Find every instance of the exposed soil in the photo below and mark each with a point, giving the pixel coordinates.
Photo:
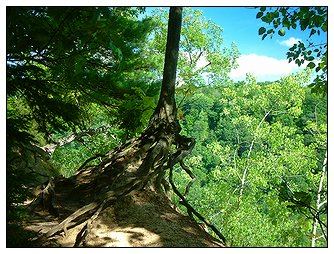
(140, 219)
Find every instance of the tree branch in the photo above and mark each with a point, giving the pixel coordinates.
(319, 204)
(50, 148)
(245, 172)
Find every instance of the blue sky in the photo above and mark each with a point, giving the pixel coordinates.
(265, 59)
(241, 26)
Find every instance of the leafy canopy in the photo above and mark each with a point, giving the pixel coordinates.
(203, 57)
(283, 165)
(61, 59)
(312, 20)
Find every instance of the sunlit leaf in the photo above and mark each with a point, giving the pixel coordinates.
(281, 32)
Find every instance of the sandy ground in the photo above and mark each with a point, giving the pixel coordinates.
(142, 219)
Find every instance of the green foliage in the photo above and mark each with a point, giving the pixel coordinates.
(308, 19)
(59, 59)
(73, 69)
(70, 69)
(202, 58)
(68, 158)
(283, 164)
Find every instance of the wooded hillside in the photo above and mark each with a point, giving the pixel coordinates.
(117, 136)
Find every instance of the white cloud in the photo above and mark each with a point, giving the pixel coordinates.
(290, 42)
(264, 68)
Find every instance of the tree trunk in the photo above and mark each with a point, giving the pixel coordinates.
(319, 204)
(166, 109)
(246, 169)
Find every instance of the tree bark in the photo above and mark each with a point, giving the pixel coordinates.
(166, 108)
(319, 204)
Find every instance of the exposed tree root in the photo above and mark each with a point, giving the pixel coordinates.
(193, 178)
(50, 148)
(132, 166)
(90, 159)
(191, 210)
(87, 227)
(63, 225)
(185, 147)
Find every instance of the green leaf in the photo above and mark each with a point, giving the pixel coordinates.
(313, 31)
(293, 47)
(259, 15)
(311, 65)
(281, 32)
(276, 14)
(324, 27)
(263, 9)
(286, 22)
(298, 62)
(262, 30)
(302, 46)
(270, 31)
(303, 24)
(310, 58)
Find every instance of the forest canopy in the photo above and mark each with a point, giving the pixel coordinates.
(85, 81)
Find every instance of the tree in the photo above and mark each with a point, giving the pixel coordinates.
(308, 19)
(142, 161)
(242, 148)
(203, 59)
(61, 59)
(61, 62)
(315, 21)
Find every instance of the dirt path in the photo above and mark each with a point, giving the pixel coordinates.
(141, 219)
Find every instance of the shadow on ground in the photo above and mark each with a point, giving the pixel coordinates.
(142, 219)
